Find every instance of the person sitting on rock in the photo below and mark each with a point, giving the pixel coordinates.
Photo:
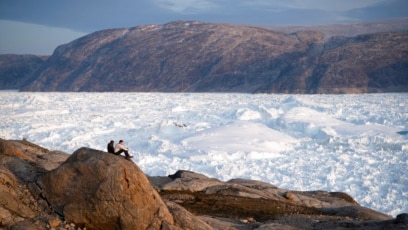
(111, 147)
(121, 148)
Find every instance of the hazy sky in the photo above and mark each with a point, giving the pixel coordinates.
(38, 27)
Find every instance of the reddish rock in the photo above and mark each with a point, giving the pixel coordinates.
(98, 190)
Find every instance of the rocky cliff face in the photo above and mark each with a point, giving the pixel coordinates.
(92, 189)
(204, 57)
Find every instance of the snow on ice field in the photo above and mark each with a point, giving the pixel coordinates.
(356, 144)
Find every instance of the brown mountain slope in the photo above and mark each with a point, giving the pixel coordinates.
(204, 57)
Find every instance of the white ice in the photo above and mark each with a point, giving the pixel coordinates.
(350, 143)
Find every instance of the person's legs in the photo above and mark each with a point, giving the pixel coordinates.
(119, 152)
(123, 151)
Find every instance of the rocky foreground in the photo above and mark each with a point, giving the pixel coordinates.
(92, 189)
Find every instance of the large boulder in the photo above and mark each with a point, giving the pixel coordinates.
(98, 190)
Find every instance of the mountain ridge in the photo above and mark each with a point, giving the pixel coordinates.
(350, 29)
(193, 56)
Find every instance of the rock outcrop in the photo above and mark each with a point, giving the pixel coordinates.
(21, 163)
(88, 189)
(265, 206)
(190, 56)
(98, 190)
(92, 189)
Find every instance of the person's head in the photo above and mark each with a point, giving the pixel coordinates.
(121, 141)
(111, 142)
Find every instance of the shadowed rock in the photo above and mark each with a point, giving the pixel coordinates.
(185, 219)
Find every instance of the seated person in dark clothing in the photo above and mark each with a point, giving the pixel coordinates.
(121, 148)
(111, 148)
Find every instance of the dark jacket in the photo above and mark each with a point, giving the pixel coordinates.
(111, 148)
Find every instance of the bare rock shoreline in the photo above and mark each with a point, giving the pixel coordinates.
(92, 189)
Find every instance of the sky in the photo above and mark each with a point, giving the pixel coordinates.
(38, 27)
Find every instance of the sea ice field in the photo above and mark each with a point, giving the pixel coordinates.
(356, 144)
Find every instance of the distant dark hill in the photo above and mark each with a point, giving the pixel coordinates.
(15, 70)
(206, 57)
